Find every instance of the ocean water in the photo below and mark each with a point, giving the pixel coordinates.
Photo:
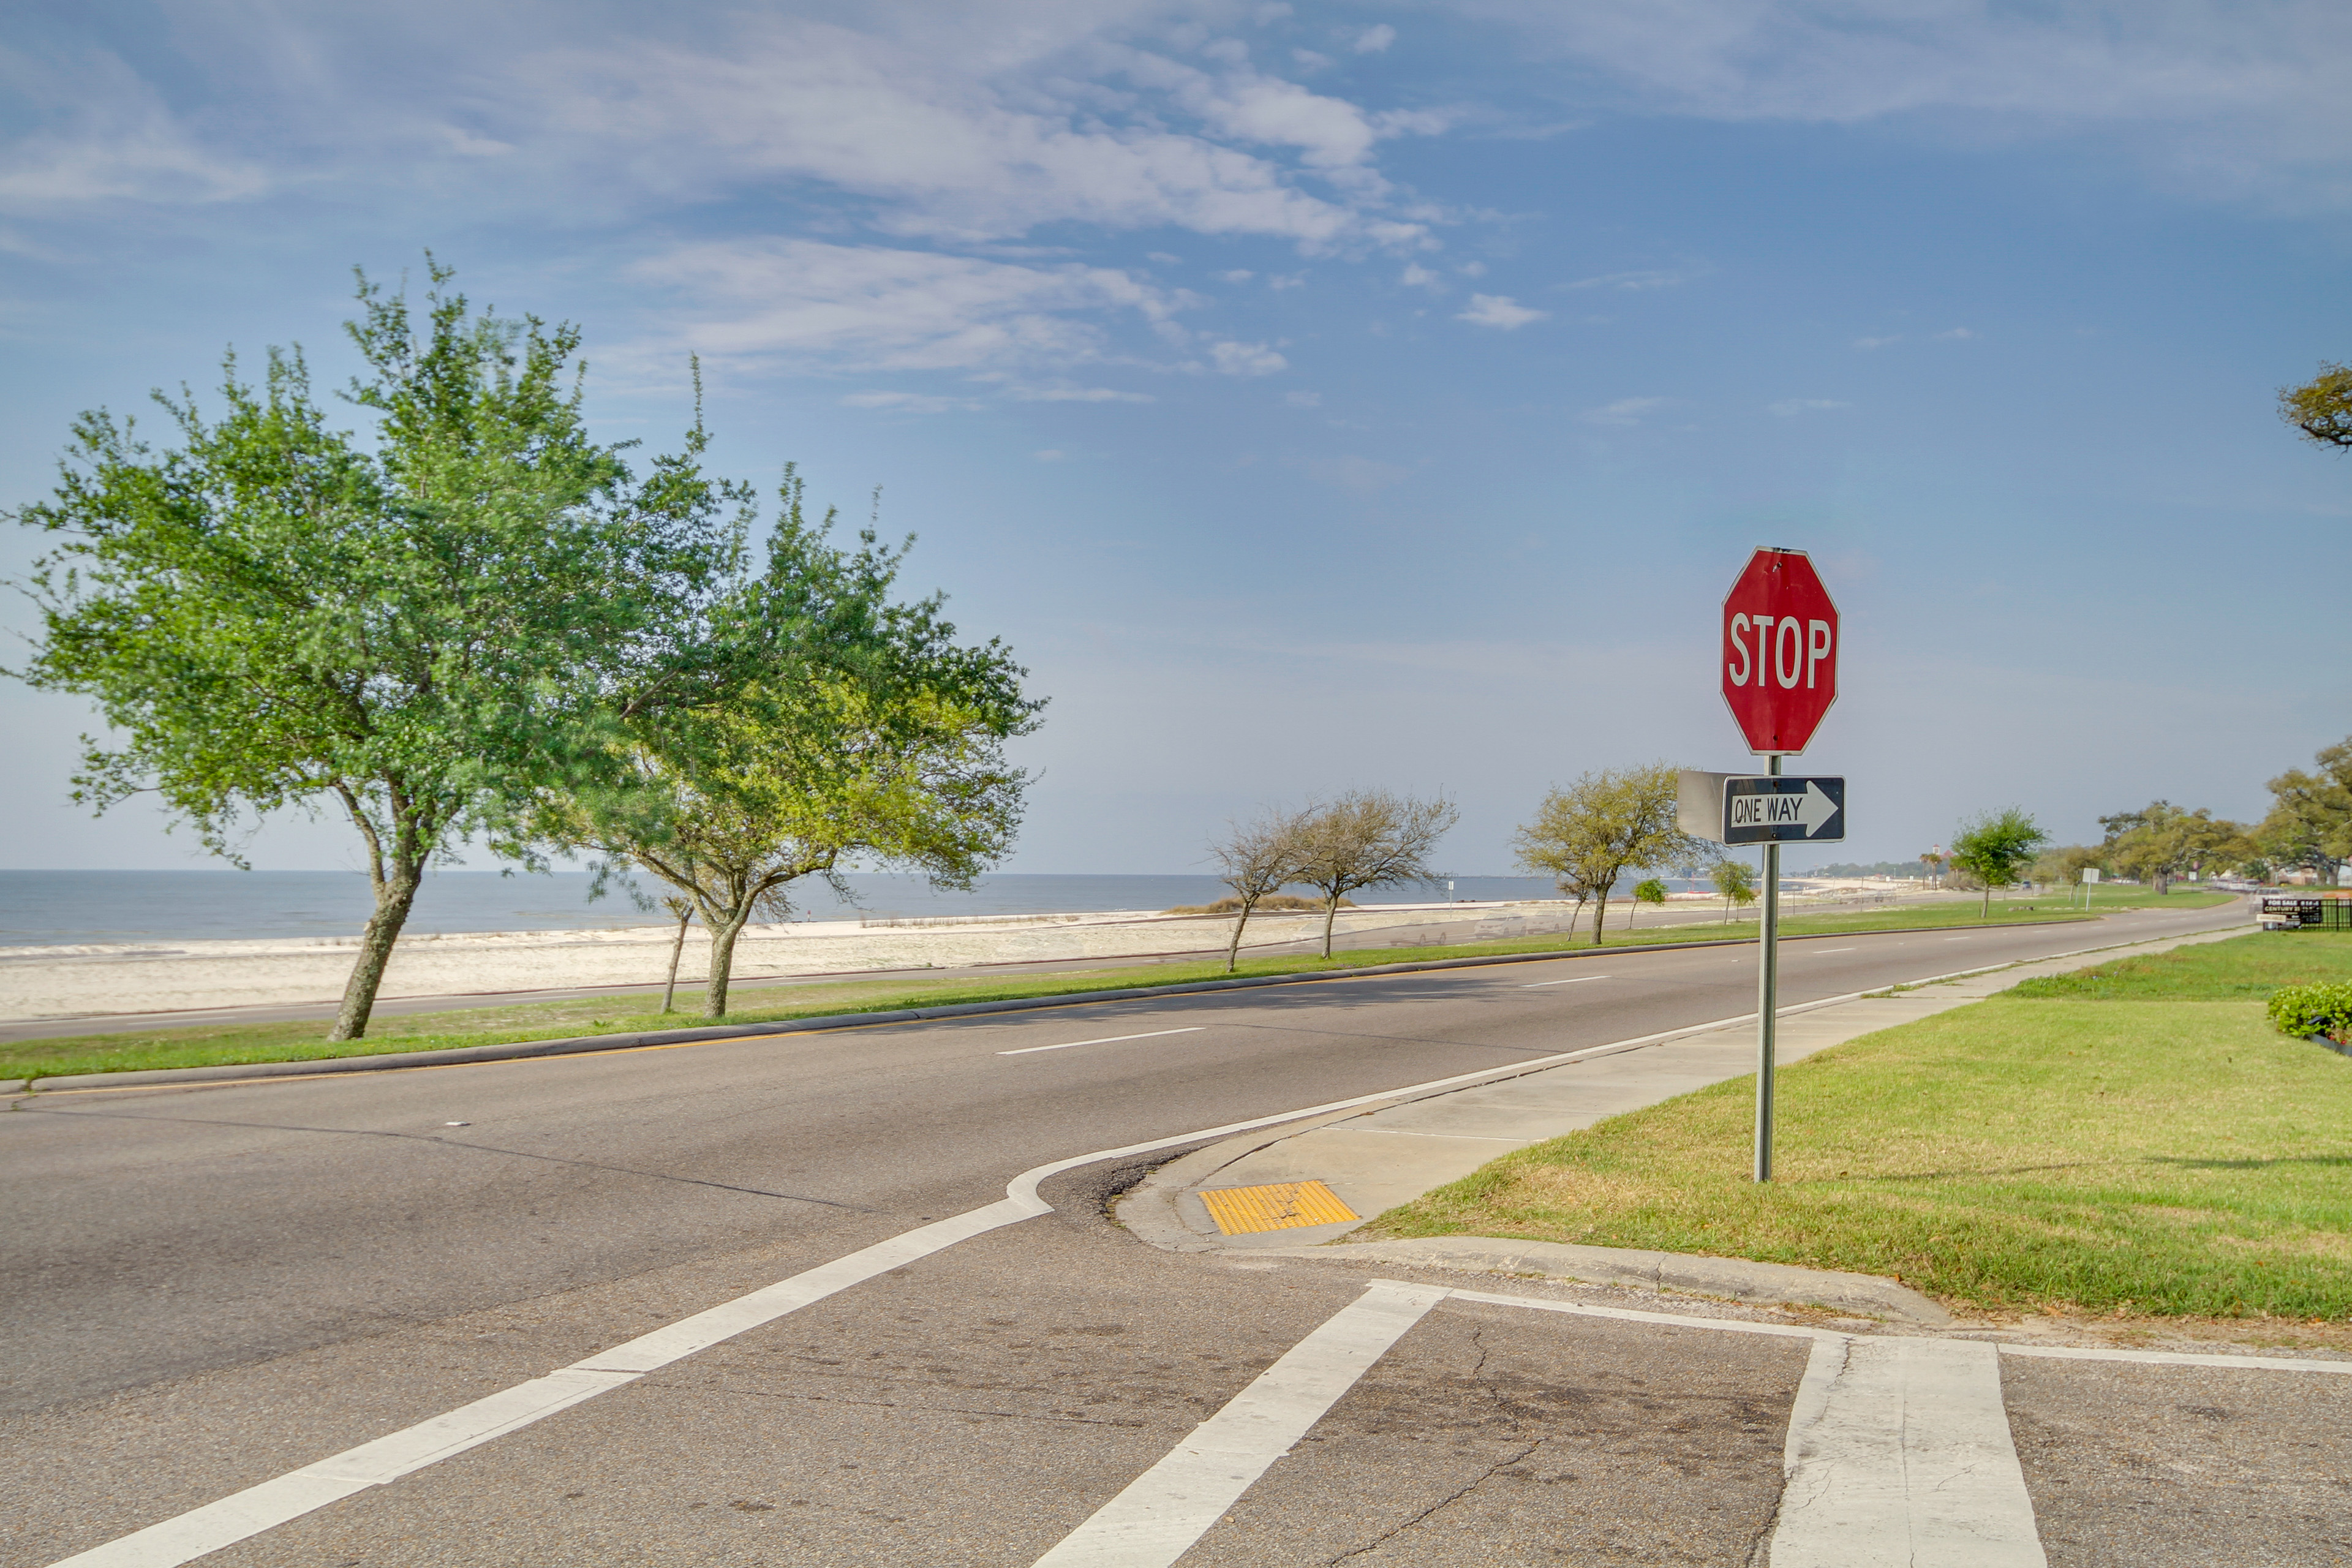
(41, 909)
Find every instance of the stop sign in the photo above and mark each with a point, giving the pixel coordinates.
(1779, 651)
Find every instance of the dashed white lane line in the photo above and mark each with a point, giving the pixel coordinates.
(1171, 1505)
(1817, 952)
(1577, 980)
(1899, 1455)
(1106, 1040)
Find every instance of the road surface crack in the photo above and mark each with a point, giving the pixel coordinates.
(1445, 1502)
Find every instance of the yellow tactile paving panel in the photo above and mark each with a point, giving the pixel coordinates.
(1279, 1207)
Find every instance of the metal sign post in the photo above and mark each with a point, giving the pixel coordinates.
(1767, 1003)
(1778, 668)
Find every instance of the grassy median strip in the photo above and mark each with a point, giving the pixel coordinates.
(217, 1045)
(2133, 1139)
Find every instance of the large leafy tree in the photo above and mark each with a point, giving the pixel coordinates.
(417, 630)
(1608, 822)
(2162, 841)
(2310, 819)
(805, 722)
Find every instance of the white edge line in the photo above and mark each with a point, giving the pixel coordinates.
(1671, 1320)
(2181, 1358)
(244, 1514)
(1576, 979)
(1106, 1040)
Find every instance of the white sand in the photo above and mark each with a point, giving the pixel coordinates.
(81, 982)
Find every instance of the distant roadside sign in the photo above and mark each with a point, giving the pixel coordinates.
(1781, 808)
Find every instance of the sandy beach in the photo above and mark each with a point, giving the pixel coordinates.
(38, 983)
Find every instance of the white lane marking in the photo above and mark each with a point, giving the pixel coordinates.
(1956, 939)
(1578, 980)
(256, 1508)
(1820, 950)
(1899, 1453)
(1672, 1320)
(1171, 1505)
(2182, 1358)
(1106, 1040)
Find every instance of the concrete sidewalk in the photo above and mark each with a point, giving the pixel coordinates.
(1375, 1158)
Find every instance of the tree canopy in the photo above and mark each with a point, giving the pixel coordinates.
(1592, 833)
(1258, 858)
(807, 722)
(2321, 408)
(2310, 819)
(1368, 838)
(420, 629)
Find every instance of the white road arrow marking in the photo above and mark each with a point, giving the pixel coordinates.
(1816, 809)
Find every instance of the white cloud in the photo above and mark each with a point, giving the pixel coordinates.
(1376, 39)
(2234, 95)
(1499, 311)
(1303, 399)
(1416, 276)
(1792, 407)
(1075, 394)
(1246, 359)
(872, 307)
(906, 401)
(1472, 269)
(110, 137)
(1625, 411)
(1958, 334)
(1237, 275)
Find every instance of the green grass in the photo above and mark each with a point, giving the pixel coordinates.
(209, 1046)
(2144, 1143)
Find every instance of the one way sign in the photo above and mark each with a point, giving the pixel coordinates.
(1779, 809)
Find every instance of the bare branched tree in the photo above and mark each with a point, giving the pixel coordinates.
(1258, 858)
(1369, 838)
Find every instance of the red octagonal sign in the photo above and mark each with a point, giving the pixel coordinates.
(1779, 651)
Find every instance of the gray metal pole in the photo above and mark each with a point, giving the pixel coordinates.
(1768, 1000)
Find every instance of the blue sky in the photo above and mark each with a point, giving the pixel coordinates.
(1318, 396)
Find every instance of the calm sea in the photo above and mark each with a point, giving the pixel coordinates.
(50, 908)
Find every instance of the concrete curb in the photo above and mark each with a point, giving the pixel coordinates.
(1859, 1295)
(582, 1044)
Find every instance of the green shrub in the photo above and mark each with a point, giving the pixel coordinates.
(2308, 1010)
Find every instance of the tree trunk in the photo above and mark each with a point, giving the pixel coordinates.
(1984, 910)
(1233, 952)
(677, 946)
(723, 963)
(393, 899)
(1600, 917)
(1330, 913)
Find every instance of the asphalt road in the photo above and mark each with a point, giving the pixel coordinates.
(210, 1287)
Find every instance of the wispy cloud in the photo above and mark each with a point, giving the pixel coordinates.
(875, 307)
(1624, 410)
(1632, 282)
(1246, 359)
(1790, 408)
(1956, 334)
(1499, 311)
(1376, 39)
(1878, 343)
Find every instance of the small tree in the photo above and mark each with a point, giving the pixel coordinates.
(1650, 891)
(1591, 832)
(1258, 860)
(804, 720)
(1935, 861)
(681, 910)
(1736, 880)
(1995, 847)
(1369, 838)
